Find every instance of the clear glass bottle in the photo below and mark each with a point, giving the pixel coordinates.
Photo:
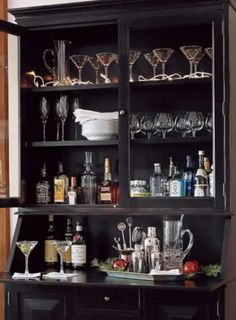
(68, 235)
(201, 186)
(150, 243)
(105, 189)
(61, 185)
(78, 248)
(156, 186)
(88, 181)
(43, 188)
(176, 184)
(50, 252)
(170, 176)
(188, 178)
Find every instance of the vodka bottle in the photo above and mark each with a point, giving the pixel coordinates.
(156, 186)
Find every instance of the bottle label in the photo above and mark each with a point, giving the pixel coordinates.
(175, 188)
(50, 252)
(78, 254)
(59, 190)
(72, 197)
(199, 190)
(105, 194)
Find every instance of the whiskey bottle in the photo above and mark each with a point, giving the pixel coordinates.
(78, 248)
(43, 189)
(188, 178)
(105, 189)
(50, 252)
(88, 181)
(156, 185)
(3, 189)
(72, 193)
(201, 186)
(61, 184)
(176, 184)
(68, 236)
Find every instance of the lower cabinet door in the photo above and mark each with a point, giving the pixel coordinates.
(94, 315)
(39, 303)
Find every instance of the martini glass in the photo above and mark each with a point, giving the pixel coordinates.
(62, 246)
(209, 122)
(79, 61)
(209, 52)
(44, 110)
(26, 246)
(163, 54)
(133, 57)
(196, 61)
(106, 58)
(96, 65)
(154, 61)
(190, 53)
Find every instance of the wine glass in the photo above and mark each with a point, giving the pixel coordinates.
(75, 105)
(133, 57)
(163, 54)
(194, 121)
(209, 52)
(180, 125)
(62, 246)
(26, 246)
(79, 61)
(62, 112)
(209, 122)
(134, 125)
(147, 125)
(163, 122)
(106, 58)
(190, 52)
(196, 61)
(96, 65)
(44, 110)
(154, 61)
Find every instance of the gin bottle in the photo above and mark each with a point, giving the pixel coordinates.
(176, 184)
(201, 186)
(188, 178)
(156, 187)
(88, 181)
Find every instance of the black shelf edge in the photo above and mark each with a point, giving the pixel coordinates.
(10, 202)
(170, 82)
(160, 140)
(84, 87)
(71, 143)
(109, 210)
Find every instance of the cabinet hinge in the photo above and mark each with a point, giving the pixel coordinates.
(218, 309)
(223, 108)
(8, 298)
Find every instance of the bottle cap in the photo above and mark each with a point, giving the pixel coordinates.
(152, 232)
(88, 157)
(73, 181)
(201, 153)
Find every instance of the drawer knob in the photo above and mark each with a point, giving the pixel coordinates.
(107, 299)
(122, 112)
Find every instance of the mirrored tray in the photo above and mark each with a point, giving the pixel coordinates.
(145, 276)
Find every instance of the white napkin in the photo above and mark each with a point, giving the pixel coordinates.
(83, 116)
(18, 275)
(57, 275)
(165, 272)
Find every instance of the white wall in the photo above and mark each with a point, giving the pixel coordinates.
(34, 3)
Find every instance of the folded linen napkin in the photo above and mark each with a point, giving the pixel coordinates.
(18, 275)
(83, 116)
(57, 275)
(165, 272)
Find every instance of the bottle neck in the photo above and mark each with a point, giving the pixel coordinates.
(107, 170)
(189, 163)
(157, 168)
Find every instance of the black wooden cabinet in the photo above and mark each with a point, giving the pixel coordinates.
(120, 26)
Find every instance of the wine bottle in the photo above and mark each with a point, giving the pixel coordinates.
(50, 252)
(78, 248)
(68, 236)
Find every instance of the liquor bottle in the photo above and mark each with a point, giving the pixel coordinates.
(43, 189)
(176, 184)
(116, 192)
(50, 252)
(207, 165)
(72, 193)
(61, 184)
(211, 182)
(201, 186)
(88, 181)
(150, 243)
(105, 189)
(68, 236)
(78, 248)
(188, 178)
(170, 176)
(3, 189)
(156, 186)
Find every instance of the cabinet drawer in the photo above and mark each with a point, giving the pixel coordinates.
(108, 298)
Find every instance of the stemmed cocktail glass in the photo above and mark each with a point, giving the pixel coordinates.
(79, 61)
(209, 122)
(62, 246)
(44, 110)
(154, 61)
(96, 65)
(106, 58)
(163, 54)
(194, 122)
(62, 107)
(190, 52)
(163, 123)
(133, 57)
(147, 125)
(75, 105)
(196, 61)
(209, 52)
(134, 125)
(26, 246)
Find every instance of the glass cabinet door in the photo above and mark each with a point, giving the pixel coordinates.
(9, 115)
(174, 114)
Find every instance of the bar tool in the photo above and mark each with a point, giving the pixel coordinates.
(129, 221)
(121, 227)
(117, 240)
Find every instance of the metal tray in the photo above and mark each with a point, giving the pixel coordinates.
(144, 276)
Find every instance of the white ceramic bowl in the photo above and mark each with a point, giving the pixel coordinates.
(100, 129)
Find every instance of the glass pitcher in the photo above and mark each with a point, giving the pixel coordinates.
(173, 251)
(58, 66)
